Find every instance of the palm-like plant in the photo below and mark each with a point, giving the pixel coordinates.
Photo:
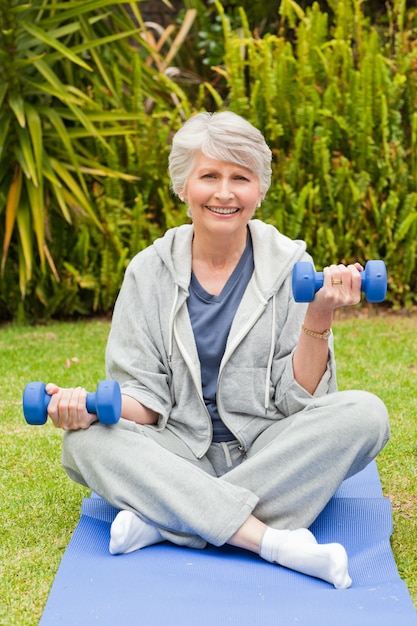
(64, 66)
(42, 166)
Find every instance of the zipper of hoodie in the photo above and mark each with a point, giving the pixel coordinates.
(241, 445)
(238, 339)
(198, 389)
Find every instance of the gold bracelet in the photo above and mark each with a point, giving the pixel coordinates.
(312, 333)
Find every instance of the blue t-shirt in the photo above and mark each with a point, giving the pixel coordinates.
(211, 319)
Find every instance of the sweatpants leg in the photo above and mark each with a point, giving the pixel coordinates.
(296, 465)
(156, 476)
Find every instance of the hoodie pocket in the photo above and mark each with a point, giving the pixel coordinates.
(243, 391)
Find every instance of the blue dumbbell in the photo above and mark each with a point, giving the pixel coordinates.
(306, 281)
(106, 402)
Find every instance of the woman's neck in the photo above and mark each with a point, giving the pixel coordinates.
(213, 262)
(218, 253)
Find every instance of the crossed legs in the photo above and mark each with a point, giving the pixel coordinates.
(265, 504)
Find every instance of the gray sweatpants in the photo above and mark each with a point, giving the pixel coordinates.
(286, 479)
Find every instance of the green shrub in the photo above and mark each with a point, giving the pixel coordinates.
(337, 104)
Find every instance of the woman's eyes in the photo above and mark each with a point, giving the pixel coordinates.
(237, 177)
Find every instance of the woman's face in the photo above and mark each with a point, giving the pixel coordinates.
(221, 196)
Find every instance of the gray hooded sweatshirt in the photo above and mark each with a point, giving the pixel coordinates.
(152, 353)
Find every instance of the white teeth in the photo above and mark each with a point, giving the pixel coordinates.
(222, 211)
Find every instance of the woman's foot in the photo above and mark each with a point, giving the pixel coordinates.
(129, 533)
(298, 550)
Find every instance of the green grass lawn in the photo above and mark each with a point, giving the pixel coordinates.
(40, 506)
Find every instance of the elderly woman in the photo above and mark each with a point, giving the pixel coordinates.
(232, 427)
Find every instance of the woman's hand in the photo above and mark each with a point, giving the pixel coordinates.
(67, 408)
(341, 287)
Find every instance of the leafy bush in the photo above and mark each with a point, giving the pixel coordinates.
(337, 102)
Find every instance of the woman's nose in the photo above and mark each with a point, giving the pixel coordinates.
(224, 190)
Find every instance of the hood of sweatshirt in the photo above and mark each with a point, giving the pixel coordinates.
(274, 255)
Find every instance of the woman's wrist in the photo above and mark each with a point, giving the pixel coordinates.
(318, 323)
(312, 333)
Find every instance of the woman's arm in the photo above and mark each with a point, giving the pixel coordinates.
(136, 412)
(311, 354)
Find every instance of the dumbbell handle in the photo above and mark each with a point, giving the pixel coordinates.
(90, 402)
(319, 280)
(106, 402)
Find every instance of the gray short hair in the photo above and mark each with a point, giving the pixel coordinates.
(223, 136)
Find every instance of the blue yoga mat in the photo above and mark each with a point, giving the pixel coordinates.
(165, 585)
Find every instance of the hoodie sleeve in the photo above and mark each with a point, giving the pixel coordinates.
(135, 354)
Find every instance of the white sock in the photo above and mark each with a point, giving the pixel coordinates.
(298, 550)
(129, 533)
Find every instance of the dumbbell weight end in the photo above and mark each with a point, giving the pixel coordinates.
(106, 402)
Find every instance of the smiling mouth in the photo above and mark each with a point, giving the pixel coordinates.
(222, 210)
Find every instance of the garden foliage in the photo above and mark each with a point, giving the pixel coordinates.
(90, 95)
